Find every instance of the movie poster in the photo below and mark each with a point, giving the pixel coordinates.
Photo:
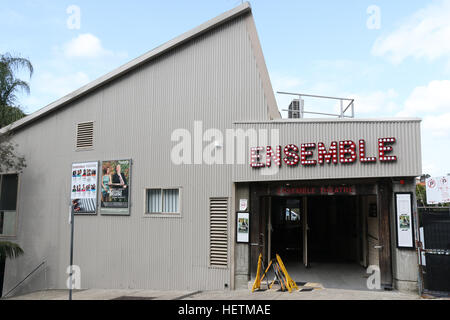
(115, 187)
(243, 227)
(403, 208)
(84, 188)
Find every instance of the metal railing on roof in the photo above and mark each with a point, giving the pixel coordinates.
(346, 104)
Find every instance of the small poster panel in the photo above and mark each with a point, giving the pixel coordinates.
(115, 187)
(243, 227)
(404, 220)
(243, 204)
(438, 190)
(84, 187)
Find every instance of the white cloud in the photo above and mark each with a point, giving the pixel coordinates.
(432, 98)
(286, 83)
(48, 87)
(336, 68)
(435, 140)
(426, 34)
(365, 103)
(432, 103)
(437, 126)
(85, 46)
(71, 66)
(380, 102)
(59, 86)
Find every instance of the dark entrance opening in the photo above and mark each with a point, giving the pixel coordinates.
(286, 224)
(325, 233)
(323, 239)
(333, 229)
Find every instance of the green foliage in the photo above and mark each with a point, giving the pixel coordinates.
(10, 111)
(9, 115)
(9, 250)
(421, 195)
(10, 86)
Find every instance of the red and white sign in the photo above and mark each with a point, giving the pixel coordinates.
(344, 152)
(438, 190)
(316, 190)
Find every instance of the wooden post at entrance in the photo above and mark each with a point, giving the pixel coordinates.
(255, 249)
(384, 205)
(305, 231)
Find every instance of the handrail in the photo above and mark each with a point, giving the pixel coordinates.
(301, 112)
(35, 269)
(313, 95)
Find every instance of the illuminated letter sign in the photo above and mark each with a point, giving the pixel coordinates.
(385, 149)
(291, 158)
(256, 157)
(362, 153)
(344, 152)
(328, 156)
(347, 147)
(275, 155)
(304, 154)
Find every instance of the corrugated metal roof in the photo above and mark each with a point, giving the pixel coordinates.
(158, 51)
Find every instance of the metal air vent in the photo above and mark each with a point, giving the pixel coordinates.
(85, 135)
(218, 232)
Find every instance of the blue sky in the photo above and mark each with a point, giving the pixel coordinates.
(394, 58)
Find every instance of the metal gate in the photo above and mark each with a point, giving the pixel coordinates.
(435, 250)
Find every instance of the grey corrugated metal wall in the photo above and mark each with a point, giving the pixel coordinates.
(407, 148)
(213, 78)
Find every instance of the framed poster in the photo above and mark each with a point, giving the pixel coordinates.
(115, 187)
(243, 227)
(404, 219)
(84, 185)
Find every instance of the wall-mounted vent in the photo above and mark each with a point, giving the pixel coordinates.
(85, 135)
(218, 232)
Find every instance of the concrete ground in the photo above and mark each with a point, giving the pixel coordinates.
(316, 294)
(320, 282)
(330, 275)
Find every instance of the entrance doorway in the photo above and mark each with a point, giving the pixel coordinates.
(286, 224)
(333, 229)
(324, 239)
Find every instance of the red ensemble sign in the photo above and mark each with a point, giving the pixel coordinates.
(317, 190)
(344, 152)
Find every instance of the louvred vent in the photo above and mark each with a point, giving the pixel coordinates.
(218, 232)
(85, 135)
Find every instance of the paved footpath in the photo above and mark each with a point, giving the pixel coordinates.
(317, 294)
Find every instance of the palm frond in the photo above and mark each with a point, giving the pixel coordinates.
(9, 115)
(9, 92)
(10, 85)
(15, 63)
(10, 250)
